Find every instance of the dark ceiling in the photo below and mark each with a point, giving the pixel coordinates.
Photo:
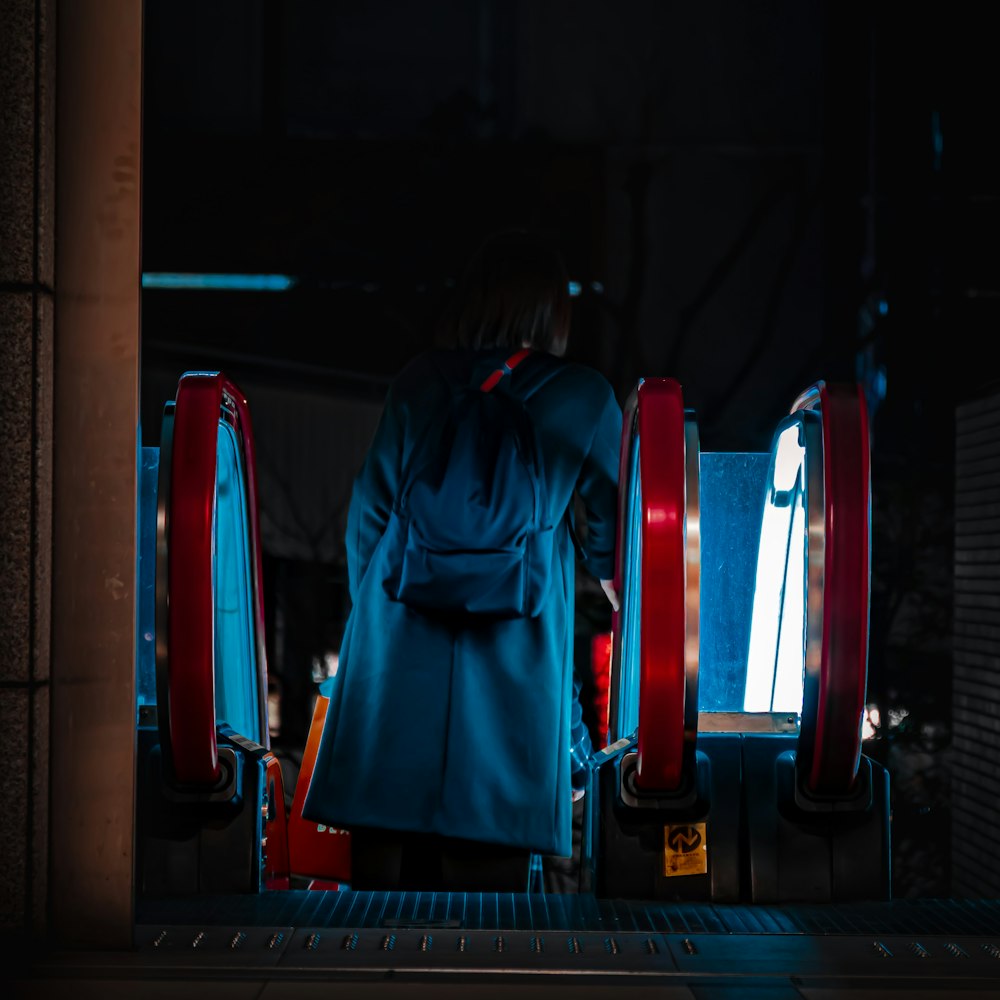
(751, 196)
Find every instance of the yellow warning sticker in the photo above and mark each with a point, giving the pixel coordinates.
(685, 850)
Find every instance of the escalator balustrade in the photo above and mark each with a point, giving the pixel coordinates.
(758, 608)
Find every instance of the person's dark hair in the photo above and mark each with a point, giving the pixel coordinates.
(515, 292)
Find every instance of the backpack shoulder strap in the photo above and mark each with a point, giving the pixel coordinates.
(533, 376)
(506, 368)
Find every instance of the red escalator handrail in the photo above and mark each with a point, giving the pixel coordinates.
(834, 756)
(191, 624)
(274, 843)
(662, 679)
(203, 398)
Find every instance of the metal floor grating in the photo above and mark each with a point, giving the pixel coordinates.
(522, 912)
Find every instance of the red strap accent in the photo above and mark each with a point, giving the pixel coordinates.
(508, 366)
(515, 359)
(492, 380)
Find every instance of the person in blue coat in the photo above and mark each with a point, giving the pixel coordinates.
(447, 744)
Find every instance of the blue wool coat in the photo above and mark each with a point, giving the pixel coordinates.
(465, 731)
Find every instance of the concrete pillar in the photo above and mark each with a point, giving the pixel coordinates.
(96, 417)
(69, 376)
(27, 143)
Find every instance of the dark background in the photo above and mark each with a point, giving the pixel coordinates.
(752, 196)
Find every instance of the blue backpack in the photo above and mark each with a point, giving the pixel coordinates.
(467, 533)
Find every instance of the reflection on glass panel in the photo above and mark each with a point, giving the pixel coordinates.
(235, 654)
(776, 656)
(631, 604)
(731, 488)
(787, 691)
(146, 574)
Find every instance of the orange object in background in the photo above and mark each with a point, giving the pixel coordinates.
(600, 661)
(315, 851)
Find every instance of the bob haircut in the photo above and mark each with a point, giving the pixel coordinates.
(514, 293)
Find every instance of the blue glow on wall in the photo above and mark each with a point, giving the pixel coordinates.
(937, 138)
(219, 282)
(732, 486)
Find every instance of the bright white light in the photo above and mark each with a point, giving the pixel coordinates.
(871, 722)
(766, 615)
(274, 713)
(325, 666)
(777, 628)
(896, 717)
(787, 696)
(788, 459)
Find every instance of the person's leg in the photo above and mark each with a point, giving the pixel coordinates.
(471, 866)
(392, 860)
(562, 875)
(376, 858)
(421, 867)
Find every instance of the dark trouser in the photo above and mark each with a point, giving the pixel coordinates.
(399, 860)
(562, 875)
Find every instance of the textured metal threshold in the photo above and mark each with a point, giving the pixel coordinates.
(501, 912)
(271, 946)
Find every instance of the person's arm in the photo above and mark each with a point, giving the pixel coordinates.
(581, 746)
(598, 489)
(373, 493)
